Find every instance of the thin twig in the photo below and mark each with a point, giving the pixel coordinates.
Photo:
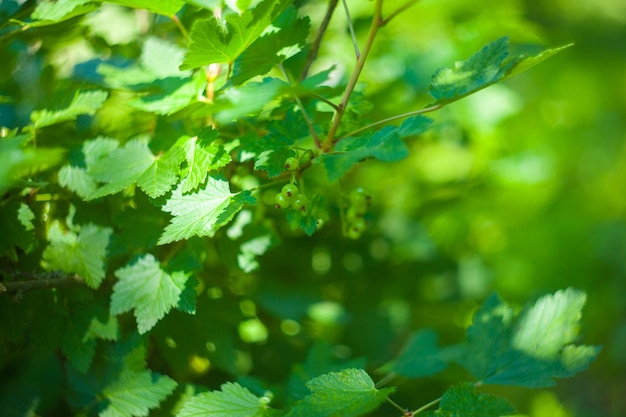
(376, 22)
(351, 27)
(426, 406)
(396, 405)
(327, 101)
(307, 120)
(398, 11)
(391, 119)
(315, 47)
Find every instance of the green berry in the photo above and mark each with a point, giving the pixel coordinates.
(290, 191)
(353, 234)
(358, 226)
(359, 198)
(353, 214)
(292, 163)
(281, 201)
(300, 203)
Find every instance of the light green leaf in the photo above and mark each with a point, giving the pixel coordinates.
(463, 401)
(135, 393)
(527, 62)
(85, 102)
(249, 250)
(201, 213)
(48, 13)
(232, 400)
(77, 180)
(26, 216)
(146, 288)
(347, 393)
(162, 174)
(419, 358)
(215, 41)
(247, 100)
(529, 349)
(202, 156)
(82, 253)
(174, 94)
(162, 58)
(162, 7)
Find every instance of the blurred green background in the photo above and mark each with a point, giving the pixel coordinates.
(520, 188)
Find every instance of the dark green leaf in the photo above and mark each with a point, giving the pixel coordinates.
(464, 401)
(420, 357)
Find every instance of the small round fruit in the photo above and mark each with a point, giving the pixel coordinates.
(353, 213)
(300, 203)
(358, 226)
(281, 201)
(292, 163)
(359, 198)
(290, 191)
(352, 234)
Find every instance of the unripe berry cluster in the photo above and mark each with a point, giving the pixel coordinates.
(290, 196)
(355, 214)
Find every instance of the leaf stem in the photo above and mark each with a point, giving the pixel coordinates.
(398, 406)
(391, 119)
(426, 406)
(315, 47)
(375, 26)
(385, 380)
(181, 28)
(351, 27)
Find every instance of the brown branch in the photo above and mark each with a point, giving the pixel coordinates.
(332, 4)
(37, 281)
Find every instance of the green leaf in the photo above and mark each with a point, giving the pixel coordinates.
(202, 156)
(15, 221)
(85, 102)
(81, 252)
(346, 393)
(288, 37)
(146, 288)
(524, 63)
(201, 213)
(530, 349)
(48, 13)
(162, 7)
(486, 67)
(174, 94)
(159, 178)
(247, 100)
(17, 161)
(232, 400)
(135, 393)
(463, 401)
(216, 41)
(134, 162)
(385, 145)
(419, 358)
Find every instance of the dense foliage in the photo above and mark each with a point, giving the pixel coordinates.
(250, 208)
